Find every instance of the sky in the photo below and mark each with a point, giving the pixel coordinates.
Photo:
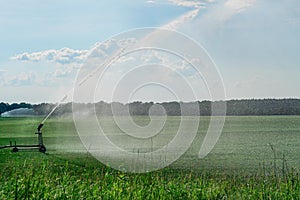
(254, 44)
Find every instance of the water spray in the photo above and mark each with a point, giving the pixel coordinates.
(90, 75)
(40, 146)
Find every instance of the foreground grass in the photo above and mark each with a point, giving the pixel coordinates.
(30, 175)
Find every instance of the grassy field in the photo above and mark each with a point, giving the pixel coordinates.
(257, 157)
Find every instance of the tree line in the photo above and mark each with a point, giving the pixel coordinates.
(5, 107)
(234, 107)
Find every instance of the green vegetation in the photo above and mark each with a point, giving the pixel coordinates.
(255, 158)
(234, 107)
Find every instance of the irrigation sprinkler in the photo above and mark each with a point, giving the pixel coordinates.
(40, 145)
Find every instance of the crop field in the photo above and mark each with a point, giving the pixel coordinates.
(256, 157)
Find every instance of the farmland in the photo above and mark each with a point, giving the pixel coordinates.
(257, 157)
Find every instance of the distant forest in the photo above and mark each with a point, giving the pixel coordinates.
(234, 107)
(4, 107)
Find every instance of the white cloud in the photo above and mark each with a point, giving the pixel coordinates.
(184, 3)
(216, 16)
(104, 49)
(231, 8)
(150, 1)
(21, 79)
(60, 65)
(63, 71)
(189, 3)
(175, 24)
(239, 5)
(72, 56)
(63, 56)
(219, 13)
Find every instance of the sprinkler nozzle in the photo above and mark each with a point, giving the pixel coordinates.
(40, 127)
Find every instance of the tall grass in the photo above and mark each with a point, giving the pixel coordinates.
(35, 176)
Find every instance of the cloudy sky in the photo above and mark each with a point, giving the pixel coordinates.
(254, 43)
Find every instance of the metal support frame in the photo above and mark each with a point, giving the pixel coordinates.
(40, 146)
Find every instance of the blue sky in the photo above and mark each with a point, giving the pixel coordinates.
(254, 43)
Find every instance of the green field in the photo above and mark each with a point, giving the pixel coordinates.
(241, 166)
